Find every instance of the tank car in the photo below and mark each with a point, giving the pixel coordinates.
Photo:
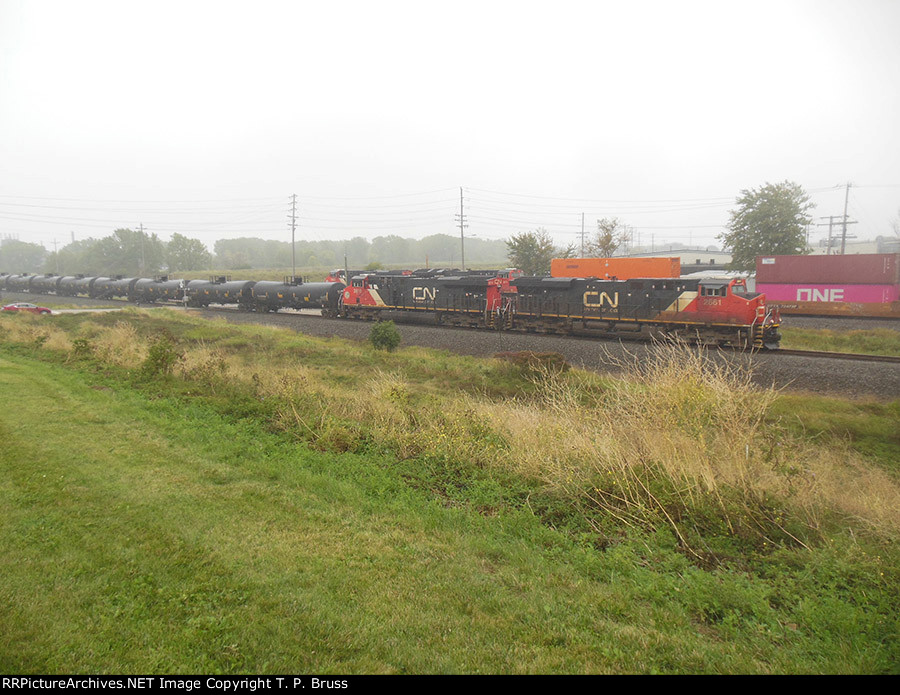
(19, 283)
(158, 289)
(116, 287)
(220, 290)
(45, 284)
(292, 294)
(79, 285)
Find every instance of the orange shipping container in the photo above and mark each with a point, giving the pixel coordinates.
(618, 268)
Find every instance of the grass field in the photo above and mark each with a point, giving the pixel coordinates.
(876, 341)
(183, 495)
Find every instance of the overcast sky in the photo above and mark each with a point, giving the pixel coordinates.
(204, 118)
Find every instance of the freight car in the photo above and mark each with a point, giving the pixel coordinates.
(294, 294)
(219, 290)
(615, 268)
(264, 295)
(711, 311)
(866, 285)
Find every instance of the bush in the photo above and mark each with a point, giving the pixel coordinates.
(384, 336)
(161, 358)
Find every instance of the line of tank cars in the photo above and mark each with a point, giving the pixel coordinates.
(711, 311)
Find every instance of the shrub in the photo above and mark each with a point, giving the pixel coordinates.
(384, 336)
(81, 347)
(161, 358)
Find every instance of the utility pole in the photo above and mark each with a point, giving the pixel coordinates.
(293, 219)
(844, 233)
(462, 225)
(143, 263)
(830, 226)
(844, 237)
(582, 235)
(56, 254)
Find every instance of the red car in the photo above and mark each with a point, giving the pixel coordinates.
(25, 306)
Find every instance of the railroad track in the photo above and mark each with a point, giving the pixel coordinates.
(629, 339)
(838, 355)
(620, 338)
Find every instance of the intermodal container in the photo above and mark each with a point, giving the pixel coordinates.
(855, 269)
(618, 268)
(813, 292)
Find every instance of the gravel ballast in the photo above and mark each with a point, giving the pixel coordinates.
(814, 374)
(788, 372)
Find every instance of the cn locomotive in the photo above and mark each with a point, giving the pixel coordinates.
(718, 312)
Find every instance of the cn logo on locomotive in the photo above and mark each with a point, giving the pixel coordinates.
(424, 294)
(601, 298)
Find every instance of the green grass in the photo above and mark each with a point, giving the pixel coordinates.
(165, 525)
(879, 341)
(870, 427)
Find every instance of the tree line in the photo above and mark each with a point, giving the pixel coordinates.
(124, 252)
(132, 252)
(768, 220)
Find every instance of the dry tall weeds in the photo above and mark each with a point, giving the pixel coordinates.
(676, 431)
(698, 425)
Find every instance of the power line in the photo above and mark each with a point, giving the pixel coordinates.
(377, 197)
(96, 200)
(601, 200)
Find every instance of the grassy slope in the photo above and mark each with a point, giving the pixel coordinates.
(876, 341)
(151, 540)
(868, 426)
(154, 535)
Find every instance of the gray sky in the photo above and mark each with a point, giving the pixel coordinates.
(203, 118)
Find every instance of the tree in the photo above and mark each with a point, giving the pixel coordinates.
(21, 256)
(533, 251)
(186, 254)
(610, 235)
(127, 252)
(770, 220)
(384, 336)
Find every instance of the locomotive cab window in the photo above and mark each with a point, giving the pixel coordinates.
(712, 291)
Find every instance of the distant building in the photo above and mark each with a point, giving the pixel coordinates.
(881, 244)
(692, 259)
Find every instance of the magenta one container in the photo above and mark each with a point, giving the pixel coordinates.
(817, 292)
(855, 269)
